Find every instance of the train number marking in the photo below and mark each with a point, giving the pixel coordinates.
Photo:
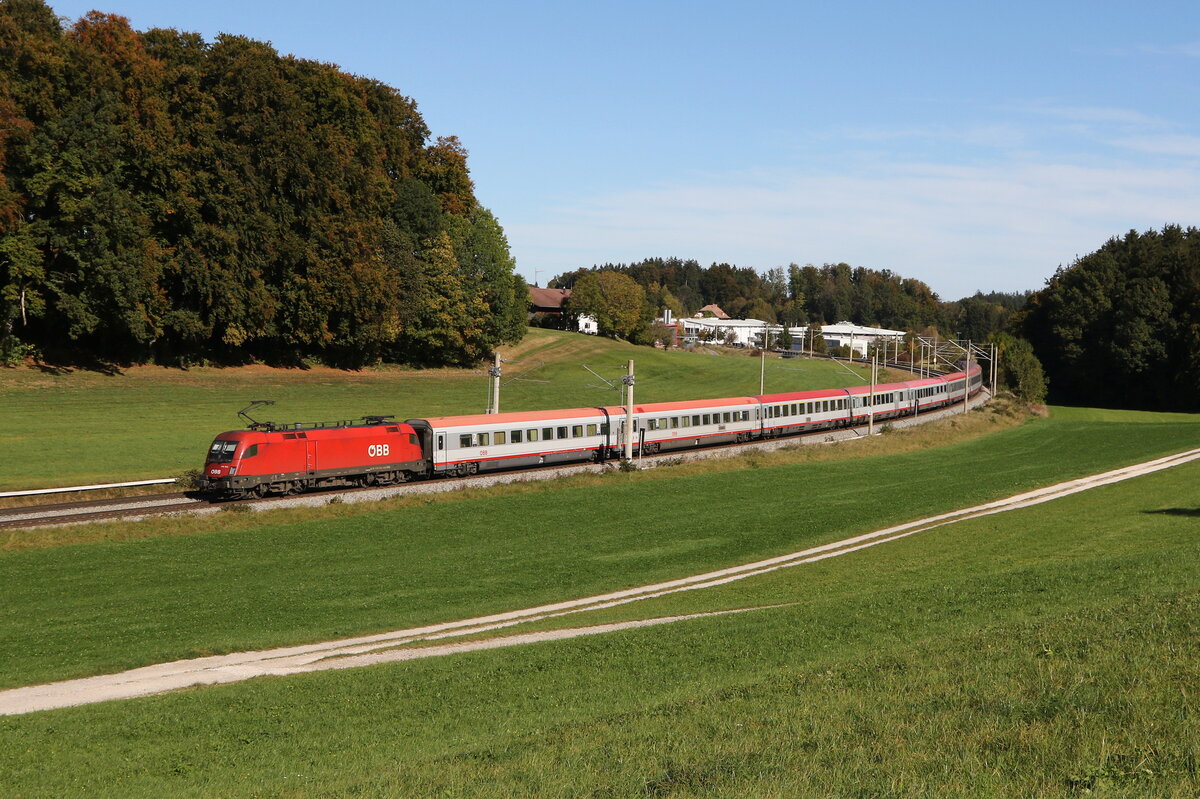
(379, 450)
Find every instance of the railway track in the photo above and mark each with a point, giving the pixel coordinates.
(96, 510)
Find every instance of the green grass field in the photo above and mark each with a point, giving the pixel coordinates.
(92, 608)
(76, 428)
(1044, 652)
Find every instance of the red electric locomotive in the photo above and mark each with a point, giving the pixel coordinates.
(287, 459)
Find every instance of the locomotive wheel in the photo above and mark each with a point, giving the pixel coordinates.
(259, 490)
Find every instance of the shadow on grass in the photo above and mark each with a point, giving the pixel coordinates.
(1176, 511)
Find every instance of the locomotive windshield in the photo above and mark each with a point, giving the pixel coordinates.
(221, 451)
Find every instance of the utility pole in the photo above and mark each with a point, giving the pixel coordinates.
(627, 381)
(871, 396)
(762, 363)
(494, 374)
(967, 380)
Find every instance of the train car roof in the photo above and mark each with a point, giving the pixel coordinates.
(317, 433)
(687, 405)
(820, 393)
(924, 381)
(501, 419)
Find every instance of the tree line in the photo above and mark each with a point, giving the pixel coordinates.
(802, 295)
(1120, 327)
(626, 298)
(164, 198)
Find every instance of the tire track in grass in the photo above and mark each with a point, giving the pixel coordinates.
(394, 646)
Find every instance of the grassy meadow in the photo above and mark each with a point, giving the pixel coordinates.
(65, 427)
(261, 580)
(1043, 652)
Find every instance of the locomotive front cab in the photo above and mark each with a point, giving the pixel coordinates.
(222, 463)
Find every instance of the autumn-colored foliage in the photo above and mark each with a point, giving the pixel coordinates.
(171, 199)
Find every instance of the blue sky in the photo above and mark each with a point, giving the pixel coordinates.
(975, 146)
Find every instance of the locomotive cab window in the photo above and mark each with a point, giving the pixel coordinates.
(222, 451)
(251, 451)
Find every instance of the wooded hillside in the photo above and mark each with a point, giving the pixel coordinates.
(798, 295)
(171, 199)
(1121, 327)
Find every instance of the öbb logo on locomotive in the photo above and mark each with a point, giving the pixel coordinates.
(268, 458)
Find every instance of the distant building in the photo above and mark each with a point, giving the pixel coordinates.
(857, 337)
(713, 310)
(550, 301)
(749, 333)
(734, 332)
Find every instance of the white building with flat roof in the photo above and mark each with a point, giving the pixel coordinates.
(857, 337)
(734, 332)
(749, 333)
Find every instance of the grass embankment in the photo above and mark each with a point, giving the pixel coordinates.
(1044, 652)
(65, 428)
